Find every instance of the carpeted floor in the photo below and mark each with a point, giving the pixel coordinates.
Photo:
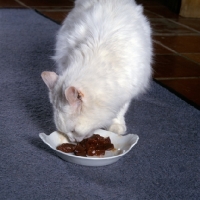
(163, 165)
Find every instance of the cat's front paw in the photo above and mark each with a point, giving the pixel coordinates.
(118, 128)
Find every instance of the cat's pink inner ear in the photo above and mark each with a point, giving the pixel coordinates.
(74, 97)
(49, 78)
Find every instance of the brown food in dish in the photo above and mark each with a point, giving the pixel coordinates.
(96, 145)
(66, 147)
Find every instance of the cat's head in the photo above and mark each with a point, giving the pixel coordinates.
(68, 106)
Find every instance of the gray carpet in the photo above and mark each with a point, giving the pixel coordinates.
(163, 165)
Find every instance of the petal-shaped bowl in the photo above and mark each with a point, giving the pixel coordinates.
(122, 144)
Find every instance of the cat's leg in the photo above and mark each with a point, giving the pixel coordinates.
(118, 124)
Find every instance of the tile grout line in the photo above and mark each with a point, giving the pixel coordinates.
(153, 6)
(184, 26)
(54, 10)
(163, 54)
(42, 7)
(154, 14)
(177, 78)
(179, 54)
(158, 42)
(21, 3)
(176, 34)
(53, 7)
(192, 53)
(172, 20)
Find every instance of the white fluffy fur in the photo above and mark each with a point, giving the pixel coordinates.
(103, 54)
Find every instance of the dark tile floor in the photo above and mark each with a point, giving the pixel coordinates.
(176, 43)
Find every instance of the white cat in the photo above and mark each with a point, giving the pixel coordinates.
(103, 55)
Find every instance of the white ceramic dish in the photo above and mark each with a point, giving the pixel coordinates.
(122, 144)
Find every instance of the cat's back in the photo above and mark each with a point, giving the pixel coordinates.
(107, 40)
(103, 19)
(100, 23)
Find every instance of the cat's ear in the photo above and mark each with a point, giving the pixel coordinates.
(49, 78)
(74, 97)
